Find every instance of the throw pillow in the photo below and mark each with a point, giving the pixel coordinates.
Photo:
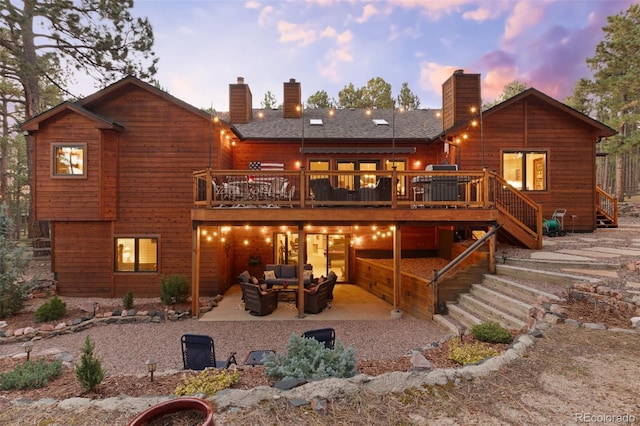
(308, 275)
(244, 277)
(269, 275)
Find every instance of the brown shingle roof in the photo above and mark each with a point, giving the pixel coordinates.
(343, 124)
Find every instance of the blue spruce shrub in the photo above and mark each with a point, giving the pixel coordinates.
(309, 359)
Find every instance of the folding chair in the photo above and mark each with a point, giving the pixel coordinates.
(199, 353)
(323, 335)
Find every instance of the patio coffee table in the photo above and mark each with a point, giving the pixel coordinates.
(288, 294)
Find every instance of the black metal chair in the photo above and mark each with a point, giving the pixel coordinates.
(198, 353)
(322, 335)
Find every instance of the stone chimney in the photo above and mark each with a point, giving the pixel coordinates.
(460, 93)
(292, 99)
(240, 102)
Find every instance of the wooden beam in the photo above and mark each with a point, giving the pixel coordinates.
(302, 250)
(397, 260)
(195, 272)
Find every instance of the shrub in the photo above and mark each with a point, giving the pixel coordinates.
(30, 375)
(173, 286)
(14, 261)
(209, 382)
(309, 359)
(127, 300)
(89, 373)
(469, 353)
(53, 309)
(491, 332)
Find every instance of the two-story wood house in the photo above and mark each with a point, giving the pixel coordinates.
(138, 184)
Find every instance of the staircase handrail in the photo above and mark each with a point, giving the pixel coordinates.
(462, 256)
(607, 205)
(515, 205)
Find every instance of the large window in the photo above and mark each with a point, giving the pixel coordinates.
(69, 160)
(136, 254)
(525, 170)
(364, 180)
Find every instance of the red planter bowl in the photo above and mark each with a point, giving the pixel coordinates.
(174, 406)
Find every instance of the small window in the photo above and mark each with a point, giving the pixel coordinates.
(380, 122)
(525, 170)
(136, 254)
(69, 160)
(315, 121)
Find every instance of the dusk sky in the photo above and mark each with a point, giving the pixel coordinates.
(205, 45)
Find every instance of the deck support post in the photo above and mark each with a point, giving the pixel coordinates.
(302, 251)
(195, 272)
(397, 259)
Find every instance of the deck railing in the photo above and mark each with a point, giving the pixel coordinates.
(314, 188)
(607, 206)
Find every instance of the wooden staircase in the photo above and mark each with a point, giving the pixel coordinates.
(606, 209)
(503, 298)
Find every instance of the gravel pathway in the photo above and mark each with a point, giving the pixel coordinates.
(124, 348)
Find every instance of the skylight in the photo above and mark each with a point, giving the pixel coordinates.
(315, 121)
(380, 122)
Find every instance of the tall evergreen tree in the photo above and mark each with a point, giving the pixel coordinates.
(269, 101)
(509, 91)
(319, 100)
(407, 99)
(615, 87)
(99, 37)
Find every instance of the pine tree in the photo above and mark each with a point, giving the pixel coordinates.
(14, 260)
(90, 372)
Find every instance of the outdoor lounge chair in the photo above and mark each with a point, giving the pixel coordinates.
(315, 298)
(323, 335)
(199, 353)
(259, 302)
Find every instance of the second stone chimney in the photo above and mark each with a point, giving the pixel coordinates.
(460, 93)
(240, 102)
(292, 99)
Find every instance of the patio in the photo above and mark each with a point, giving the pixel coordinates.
(351, 303)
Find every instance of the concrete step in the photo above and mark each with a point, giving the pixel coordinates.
(486, 312)
(447, 323)
(516, 290)
(560, 264)
(465, 318)
(554, 277)
(513, 307)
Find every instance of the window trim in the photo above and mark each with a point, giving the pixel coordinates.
(54, 162)
(137, 256)
(523, 169)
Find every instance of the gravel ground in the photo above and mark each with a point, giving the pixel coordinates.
(124, 348)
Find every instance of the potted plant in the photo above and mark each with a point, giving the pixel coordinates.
(175, 407)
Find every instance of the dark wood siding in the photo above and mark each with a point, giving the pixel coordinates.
(60, 198)
(535, 125)
(83, 258)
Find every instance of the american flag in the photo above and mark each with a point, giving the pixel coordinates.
(258, 165)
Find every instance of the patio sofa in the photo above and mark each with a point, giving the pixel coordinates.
(323, 191)
(280, 274)
(381, 192)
